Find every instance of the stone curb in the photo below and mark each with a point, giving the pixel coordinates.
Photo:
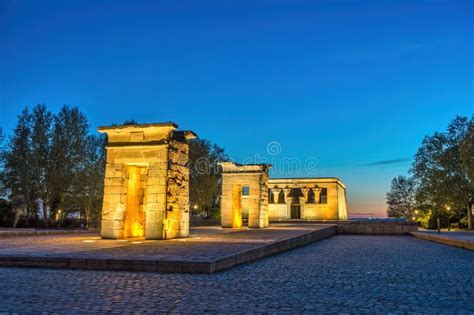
(43, 233)
(272, 248)
(444, 240)
(181, 266)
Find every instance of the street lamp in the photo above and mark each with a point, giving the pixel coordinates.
(449, 223)
(58, 218)
(195, 210)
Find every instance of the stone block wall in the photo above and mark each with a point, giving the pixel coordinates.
(376, 228)
(277, 211)
(146, 185)
(156, 198)
(342, 203)
(234, 178)
(178, 190)
(263, 203)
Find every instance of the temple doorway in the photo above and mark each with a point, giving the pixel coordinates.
(295, 207)
(135, 214)
(296, 210)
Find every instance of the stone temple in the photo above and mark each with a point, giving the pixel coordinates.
(248, 194)
(146, 185)
(146, 188)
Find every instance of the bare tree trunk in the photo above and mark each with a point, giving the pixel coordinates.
(46, 212)
(18, 213)
(469, 217)
(87, 214)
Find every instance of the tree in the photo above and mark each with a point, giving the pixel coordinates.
(7, 214)
(19, 208)
(204, 175)
(129, 122)
(52, 162)
(2, 167)
(85, 193)
(441, 168)
(401, 198)
(466, 151)
(17, 174)
(70, 132)
(40, 151)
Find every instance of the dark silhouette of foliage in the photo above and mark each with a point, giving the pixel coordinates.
(128, 122)
(443, 171)
(204, 182)
(54, 164)
(401, 198)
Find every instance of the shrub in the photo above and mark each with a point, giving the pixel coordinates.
(6, 213)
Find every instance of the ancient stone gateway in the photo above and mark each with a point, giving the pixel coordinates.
(248, 194)
(244, 195)
(146, 185)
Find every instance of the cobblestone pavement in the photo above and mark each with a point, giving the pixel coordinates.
(362, 274)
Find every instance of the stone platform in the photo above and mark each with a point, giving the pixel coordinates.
(21, 232)
(463, 239)
(209, 249)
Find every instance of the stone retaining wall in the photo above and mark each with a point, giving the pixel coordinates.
(363, 227)
(444, 239)
(376, 228)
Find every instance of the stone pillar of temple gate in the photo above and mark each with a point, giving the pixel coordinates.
(251, 181)
(288, 201)
(303, 201)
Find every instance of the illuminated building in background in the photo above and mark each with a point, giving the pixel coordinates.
(248, 194)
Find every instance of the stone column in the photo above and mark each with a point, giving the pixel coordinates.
(288, 201)
(303, 201)
(317, 193)
(276, 194)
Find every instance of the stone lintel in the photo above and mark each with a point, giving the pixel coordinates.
(138, 126)
(231, 167)
(308, 182)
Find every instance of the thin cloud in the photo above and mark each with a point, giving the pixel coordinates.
(387, 162)
(392, 51)
(418, 46)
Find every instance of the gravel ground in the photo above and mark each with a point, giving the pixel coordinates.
(343, 274)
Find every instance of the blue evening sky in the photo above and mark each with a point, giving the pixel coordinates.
(353, 85)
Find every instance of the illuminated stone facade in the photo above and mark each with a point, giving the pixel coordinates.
(146, 185)
(307, 199)
(249, 195)
(244, 195)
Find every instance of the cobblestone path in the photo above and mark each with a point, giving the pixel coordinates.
(362, 274)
